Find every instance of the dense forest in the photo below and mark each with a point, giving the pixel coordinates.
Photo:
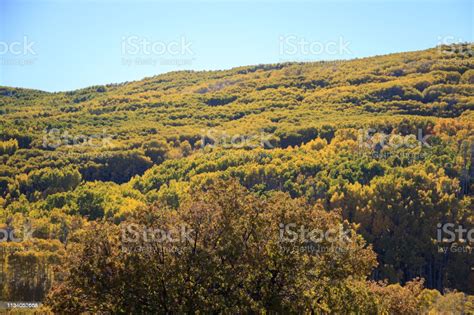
(377, 150)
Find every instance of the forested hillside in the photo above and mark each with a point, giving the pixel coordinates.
(383, 146)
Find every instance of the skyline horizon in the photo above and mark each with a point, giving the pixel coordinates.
(231, 68)
(64, 45)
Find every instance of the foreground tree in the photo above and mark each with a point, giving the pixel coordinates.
(238, 252)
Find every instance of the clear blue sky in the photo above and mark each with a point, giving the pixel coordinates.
(65, 45)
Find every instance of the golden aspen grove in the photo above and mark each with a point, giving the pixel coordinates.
(329, 187)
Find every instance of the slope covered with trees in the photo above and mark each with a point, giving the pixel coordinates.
(381, 146)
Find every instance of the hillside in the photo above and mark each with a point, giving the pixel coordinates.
(383, 143)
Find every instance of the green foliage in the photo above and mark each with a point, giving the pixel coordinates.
(232, 260)
(8, 147)
(48, 181)
(322, 151)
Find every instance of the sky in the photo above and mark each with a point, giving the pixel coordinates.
(64, 45)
